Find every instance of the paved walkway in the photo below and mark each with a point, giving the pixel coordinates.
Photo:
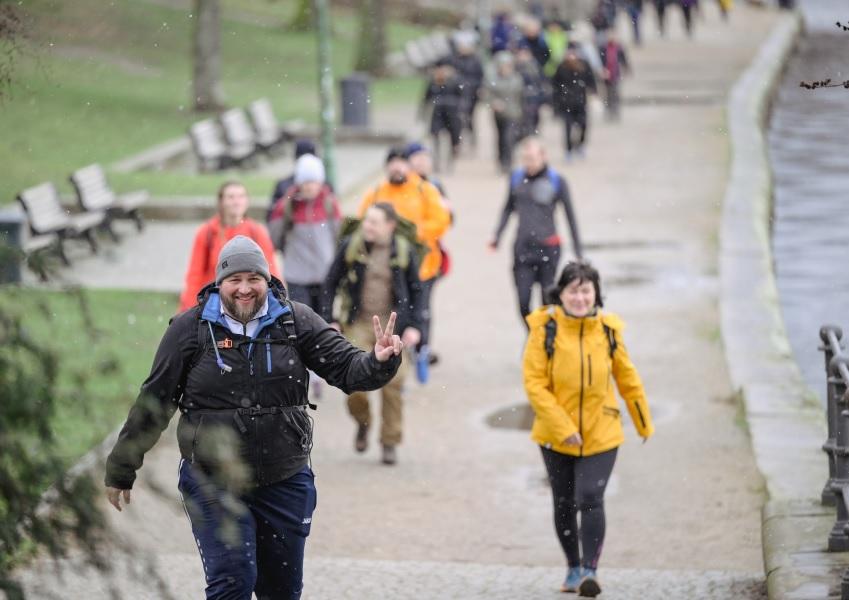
(466, 513)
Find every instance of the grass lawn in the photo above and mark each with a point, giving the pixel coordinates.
(113, 353)
(102, 80)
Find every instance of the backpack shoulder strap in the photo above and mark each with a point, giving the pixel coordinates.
(516, 178)
(611, 339)
(402, 252)
(287, 323)
(550, 333)
(555, 179)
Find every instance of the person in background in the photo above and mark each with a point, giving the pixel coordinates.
(571, 85)
(687, 8)
(660, 11)
(573, 354)
(376, 271)
(534, 193)
(469, 71)
(725, 7)
(420, 203)
(615, 61)
(505, 92)
(304, 226)
(421, 163)
(534, 40)
(231, 220)
(533, 94)
(557, 38)
(302, 146)
(443, 97)
(503, 33)
(634, 10)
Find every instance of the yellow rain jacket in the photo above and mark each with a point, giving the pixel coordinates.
(572, 392)
(420, 202)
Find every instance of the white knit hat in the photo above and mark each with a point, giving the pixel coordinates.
(309, 168)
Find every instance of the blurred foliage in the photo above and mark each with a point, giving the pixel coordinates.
(30, 460)
(70, 368)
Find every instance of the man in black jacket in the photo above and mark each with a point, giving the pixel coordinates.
(236, 367)
(376, 270)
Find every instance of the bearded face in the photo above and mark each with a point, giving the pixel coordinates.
(243, 295)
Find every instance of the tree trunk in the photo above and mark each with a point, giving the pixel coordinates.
(206, 51)
(303, 18)
(371, 54)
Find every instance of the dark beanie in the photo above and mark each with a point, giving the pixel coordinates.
(396, 152)
(304, 147)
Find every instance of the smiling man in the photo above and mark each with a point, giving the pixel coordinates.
(236, 367)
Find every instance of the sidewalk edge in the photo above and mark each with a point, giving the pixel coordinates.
(787, 429)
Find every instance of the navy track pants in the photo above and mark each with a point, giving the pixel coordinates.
(254, 542)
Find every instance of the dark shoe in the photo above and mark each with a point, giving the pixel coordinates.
(361, 441)
(389, 455)
(433, 359)
(589, 587)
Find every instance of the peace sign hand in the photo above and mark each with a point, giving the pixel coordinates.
(386, 345)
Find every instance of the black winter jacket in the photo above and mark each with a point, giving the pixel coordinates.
(255, 414)
(406, 285)
(569, 87)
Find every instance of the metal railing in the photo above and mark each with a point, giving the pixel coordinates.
(836, 490)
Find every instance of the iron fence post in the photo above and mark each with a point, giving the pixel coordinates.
(827, 332)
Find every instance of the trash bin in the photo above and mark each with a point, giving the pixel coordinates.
(355, 100)
(11, 222)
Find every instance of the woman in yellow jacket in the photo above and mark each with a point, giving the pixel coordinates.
(573, 352)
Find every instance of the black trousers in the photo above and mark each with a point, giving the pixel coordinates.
(577, 486)
(534, 265)
(447, 118)
(506, 134)
(575, 123)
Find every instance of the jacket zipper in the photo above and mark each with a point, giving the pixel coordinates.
(640, 412)
(590, 369)
(581, 405)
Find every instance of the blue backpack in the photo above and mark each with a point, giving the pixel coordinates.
(518, 176)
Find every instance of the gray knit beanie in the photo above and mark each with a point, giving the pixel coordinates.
(241, 255)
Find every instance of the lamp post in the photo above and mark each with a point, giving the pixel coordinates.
(325, 89)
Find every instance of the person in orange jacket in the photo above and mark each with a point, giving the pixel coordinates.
(573, 354)
(419, 202)
(230, 221)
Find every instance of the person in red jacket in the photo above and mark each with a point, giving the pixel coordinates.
(230, 221)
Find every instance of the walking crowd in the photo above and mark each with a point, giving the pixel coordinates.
(246, 359)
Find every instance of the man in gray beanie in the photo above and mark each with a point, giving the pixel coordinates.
(236, 367)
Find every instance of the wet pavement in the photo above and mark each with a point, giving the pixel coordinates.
(808, 152)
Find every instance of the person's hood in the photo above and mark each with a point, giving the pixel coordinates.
(543, 314)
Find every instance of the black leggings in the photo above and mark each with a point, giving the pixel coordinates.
(530, 266)
(577, 485)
